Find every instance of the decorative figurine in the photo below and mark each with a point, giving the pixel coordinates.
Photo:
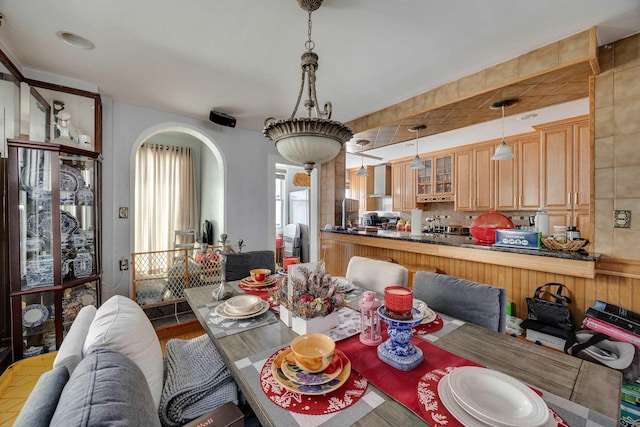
(369, 319)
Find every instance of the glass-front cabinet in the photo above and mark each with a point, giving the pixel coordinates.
(435, 179)
(54, 251)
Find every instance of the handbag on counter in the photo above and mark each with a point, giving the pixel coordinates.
(552, 312)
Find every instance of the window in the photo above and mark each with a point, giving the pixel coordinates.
(281, 190)
(165, 195)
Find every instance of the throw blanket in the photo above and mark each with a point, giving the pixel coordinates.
(196, 381)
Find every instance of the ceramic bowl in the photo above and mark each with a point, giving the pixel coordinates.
(242, 304)
(313, 352)
(259, 274)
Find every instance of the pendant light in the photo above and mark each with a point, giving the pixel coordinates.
(362, 171)
(417, 163)
(308, 140)
(503, 151)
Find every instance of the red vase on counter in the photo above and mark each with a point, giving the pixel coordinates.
(484, 226)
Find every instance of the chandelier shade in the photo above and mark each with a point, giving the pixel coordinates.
(417, 163)
(308, 140)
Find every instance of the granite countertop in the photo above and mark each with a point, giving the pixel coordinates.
(467, 242)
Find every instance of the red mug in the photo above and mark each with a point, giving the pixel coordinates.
(398, 299)
(289, 260)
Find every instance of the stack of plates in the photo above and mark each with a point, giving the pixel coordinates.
(482, 397)
(428, 315)
(242, 307)
(268, 281)
(343, 284)
(294, 379)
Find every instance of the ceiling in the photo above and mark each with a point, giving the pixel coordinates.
(242, 57)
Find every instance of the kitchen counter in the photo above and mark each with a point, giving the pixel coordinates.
(468, 242)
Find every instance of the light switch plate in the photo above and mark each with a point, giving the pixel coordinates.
(621, 219)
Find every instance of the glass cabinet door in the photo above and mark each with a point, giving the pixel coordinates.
(35, 214)
(444, 169)
(38, 323)
(425, 183)
(77, 217)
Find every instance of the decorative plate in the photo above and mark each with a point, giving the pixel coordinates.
(221, 310)
(34, 315)
(299, 377)
(325, 388)
(39, 224)
(70, 178)
(427, 314)
(248, 281)
(68, 222)
(343, 284)
(87, 297)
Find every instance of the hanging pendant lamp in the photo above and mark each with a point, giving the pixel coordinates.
(308, 140)
(503, 151)
(362, 171)
(417, 163)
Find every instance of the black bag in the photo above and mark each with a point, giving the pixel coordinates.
(554, 312)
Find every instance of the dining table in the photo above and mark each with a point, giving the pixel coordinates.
(580, 391)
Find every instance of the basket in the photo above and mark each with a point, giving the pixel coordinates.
(571, 246)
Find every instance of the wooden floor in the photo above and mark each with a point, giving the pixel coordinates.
(184, 331)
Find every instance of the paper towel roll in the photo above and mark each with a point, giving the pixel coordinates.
(416, 222)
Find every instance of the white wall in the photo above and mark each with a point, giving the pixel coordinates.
(248, 158)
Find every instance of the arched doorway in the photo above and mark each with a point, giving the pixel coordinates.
(209, 165)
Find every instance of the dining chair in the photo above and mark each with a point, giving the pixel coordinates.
(239, 265)
(374, 274)
(473, 302)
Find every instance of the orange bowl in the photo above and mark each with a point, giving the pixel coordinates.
(313, 352)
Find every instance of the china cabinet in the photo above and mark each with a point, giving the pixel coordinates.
(54, 251)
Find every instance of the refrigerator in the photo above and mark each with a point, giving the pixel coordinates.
(299, 213)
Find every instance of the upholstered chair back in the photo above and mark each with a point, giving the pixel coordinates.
(473, 302)
(376, 275)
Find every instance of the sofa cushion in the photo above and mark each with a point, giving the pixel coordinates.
(473, 302)
(120, 324)
(41, 403)
(106, 389)
(70, 352)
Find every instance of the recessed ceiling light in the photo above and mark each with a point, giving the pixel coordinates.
(528, 116)
(75, 40)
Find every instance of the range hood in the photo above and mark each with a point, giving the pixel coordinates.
(381, 181)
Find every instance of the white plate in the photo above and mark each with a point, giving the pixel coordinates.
(497, 399)
(221, 310)
(343, 284)
(87, 297)
(427, 314)
(34, 315)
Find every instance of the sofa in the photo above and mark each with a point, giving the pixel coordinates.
(109, 370)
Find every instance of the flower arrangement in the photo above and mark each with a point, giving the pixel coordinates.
(315, 293)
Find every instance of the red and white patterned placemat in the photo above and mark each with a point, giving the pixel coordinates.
(352, 390)
(429, 328)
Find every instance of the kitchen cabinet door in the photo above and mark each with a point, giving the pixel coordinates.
(464, 181)
(528, 157)
(557, 166)
(474, 179)
(507, 182)
(403, 184)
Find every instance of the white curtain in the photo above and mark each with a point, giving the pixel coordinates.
(165, 196)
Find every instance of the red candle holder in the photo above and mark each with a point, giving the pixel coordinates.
(398, 299)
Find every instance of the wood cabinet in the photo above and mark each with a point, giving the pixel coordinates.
(360, 187)
(54, 250)
(403, 183)
(566, 166)
(474, 179)
(517, 181)
(434, 183)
